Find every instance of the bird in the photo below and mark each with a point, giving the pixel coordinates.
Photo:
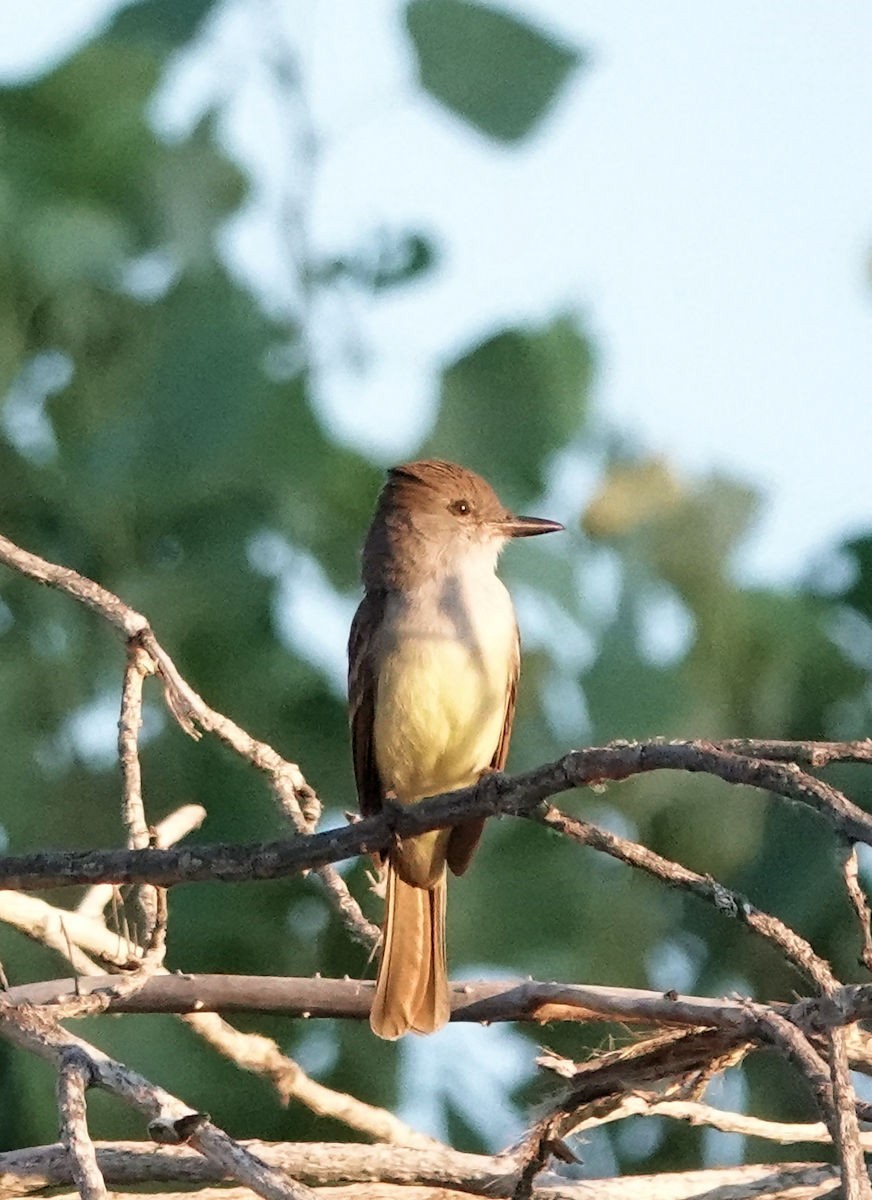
(433, 665)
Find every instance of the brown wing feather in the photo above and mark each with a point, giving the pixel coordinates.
(361, 705)
(465, 837)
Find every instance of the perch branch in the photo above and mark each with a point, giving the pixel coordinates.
(518, 795)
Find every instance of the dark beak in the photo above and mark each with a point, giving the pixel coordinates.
(529, 526)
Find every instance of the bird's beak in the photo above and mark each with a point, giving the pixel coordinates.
(529, 526)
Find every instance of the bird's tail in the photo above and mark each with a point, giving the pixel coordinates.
(411, 992)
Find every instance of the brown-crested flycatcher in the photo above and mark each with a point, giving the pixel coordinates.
(433, 663)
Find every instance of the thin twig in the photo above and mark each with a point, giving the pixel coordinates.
(813, 754)
(132, 807)
(129, 724)
(675, 1061)
(651, 1104)
(859, 902)
(794, 948)
(177, 825)
(261, 1055)
(790, 1040)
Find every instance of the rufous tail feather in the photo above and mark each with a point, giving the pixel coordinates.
(411, 991)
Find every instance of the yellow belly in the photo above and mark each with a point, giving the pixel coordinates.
(439, 712)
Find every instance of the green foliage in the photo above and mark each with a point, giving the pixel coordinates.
(495, 71)
(164, 24)
(513, 401)
(859, 593)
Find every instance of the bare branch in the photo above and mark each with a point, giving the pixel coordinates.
(171, 829)
(317, 1164)
(519, 795)
(253, 1052)
(859, 903)
(250, 1051)
(53, 927)
(97, 598)
(34, 1031)
(391, 1168)
(297, 800)
(791, 1041)
(813, 754)
(74, 1076)
(485, 1002)
(846, 1128)
(695, 1113)
(129, 724)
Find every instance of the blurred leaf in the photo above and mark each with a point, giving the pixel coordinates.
(164, 24)
(686, 535)
(859, 594)
(630, 495)
(512, 401)
(75, 241)
(495, 71)
(197, 187)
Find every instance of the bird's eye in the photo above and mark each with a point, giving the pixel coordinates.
(460, 508)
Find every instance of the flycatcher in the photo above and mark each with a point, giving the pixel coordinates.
(433, 661)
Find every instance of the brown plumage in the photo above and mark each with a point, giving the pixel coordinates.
(434, 658)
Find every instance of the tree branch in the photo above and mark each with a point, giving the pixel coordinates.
(516, 795)
(32, 1030)
(23, 1172)
(249, 1051)
(485, 1002)
(297, 800)
(74, 1076)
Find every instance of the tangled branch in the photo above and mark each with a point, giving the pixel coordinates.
(663, 1073)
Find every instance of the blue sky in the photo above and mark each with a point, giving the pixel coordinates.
(701, 196)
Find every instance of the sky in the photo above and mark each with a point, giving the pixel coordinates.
(701, 196)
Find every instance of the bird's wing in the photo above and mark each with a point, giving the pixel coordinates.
(465, 837)
(502, 751)
(361, 705)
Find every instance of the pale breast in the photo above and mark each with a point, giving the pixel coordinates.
(444, 667)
